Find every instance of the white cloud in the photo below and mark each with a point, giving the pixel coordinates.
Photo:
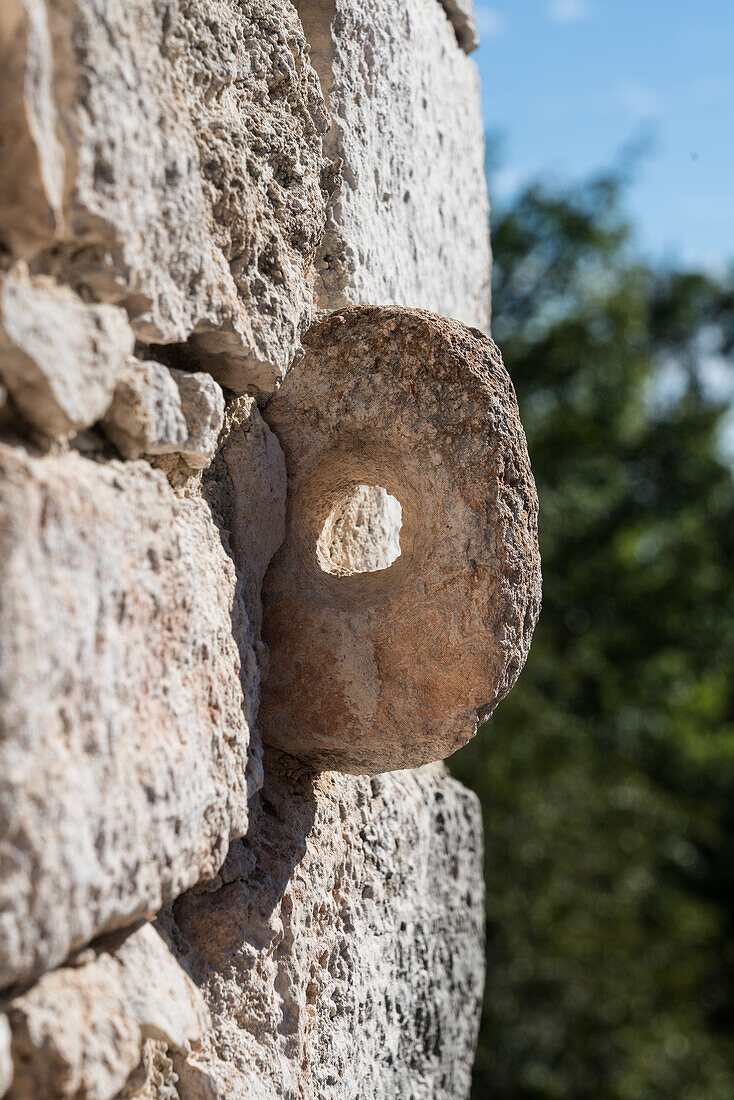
(569, 11)
(489, 21)
(639, 99)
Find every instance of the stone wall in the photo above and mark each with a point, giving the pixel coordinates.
(184, 185)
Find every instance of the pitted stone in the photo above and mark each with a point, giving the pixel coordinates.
(126, 707)
(409, 223)
(81, 1029)
(202, 403)
(340, 948)
(168, 157)
(393, 669)
(59, 357)
(145, 416)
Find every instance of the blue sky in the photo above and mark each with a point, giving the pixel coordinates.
(569, 82)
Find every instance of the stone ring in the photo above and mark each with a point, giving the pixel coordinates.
(375, 671)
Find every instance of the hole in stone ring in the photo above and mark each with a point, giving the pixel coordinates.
(361, 533)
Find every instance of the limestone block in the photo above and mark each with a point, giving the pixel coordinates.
(409, 223)
(146, 416)
(33, 161)
(59, 357)
(171, 155)
(202, 403)
(163, 1000)
(154, 1078)
(80, 1031)
(341, 952)
(73, 1035)
(247, 488)
(461, 16)
(392, 669)
(6, 1063)
(157, 411)
(126, 702)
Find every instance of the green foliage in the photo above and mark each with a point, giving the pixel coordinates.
(607, 776)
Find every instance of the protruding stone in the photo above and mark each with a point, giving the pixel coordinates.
(393, 669)
(73, 1035)
(146, 416)
(247, 484)
(163, 1000)
(6, 1062)
(341, 949)
(409, 223)
(202, 403)
(461, 17)
(168, 157)
(80, 1031)
(59, 357)
(126, 702)
(157, 411)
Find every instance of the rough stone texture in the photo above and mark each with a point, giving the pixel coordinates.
(155, 1077)
(80, 1031)
(393, 669)
(171, 155)
(59, 357)
(461, 16)
(363, 534)
(73, 1035)
(202, 403)
(123, 726)
(32, 159)
(157, 411)
(163, 1000)
(163, 177)
(146, 416)
(409, 223)
(6, 1062)
(247, 489)
(341, 946)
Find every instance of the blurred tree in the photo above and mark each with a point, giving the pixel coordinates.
(607, 777)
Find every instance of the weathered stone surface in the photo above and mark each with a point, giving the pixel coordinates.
(409, 223)
(247, 488)
(172, 156)
(341, 951)
(73, 1035)
(124, 729)
(154, 1078)
(146, 416)
(80, 1031)
(6, 1062)
(392, 669)
(59, 357)
(32, 159)
(363, 533)
(461, 16)
(163, 1000)
(157, 411)
(202, 403)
